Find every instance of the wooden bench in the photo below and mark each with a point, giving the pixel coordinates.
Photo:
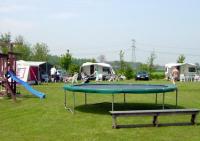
(155, 114)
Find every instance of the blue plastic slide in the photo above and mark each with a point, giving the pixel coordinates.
(26, 85)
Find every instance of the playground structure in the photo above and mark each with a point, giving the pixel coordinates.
(8, 78)
(8, 63)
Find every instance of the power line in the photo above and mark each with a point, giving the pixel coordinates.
(165, 46)
(140, 49)
(168, 53)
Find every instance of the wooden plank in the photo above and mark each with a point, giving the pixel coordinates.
(155, 111)
(153, 114)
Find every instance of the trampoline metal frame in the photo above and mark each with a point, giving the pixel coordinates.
(72, 110)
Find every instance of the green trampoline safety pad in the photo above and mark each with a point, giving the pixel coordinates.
(121, 88)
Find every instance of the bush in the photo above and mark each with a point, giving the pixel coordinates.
(73, 68)
(157, 76)
(129, 73)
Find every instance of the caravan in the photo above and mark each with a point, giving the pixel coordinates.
(187, 71)
(103, 69)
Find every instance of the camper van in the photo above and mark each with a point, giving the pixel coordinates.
(103, 68)
(188, 70)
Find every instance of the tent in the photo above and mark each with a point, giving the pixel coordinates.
(31, 71)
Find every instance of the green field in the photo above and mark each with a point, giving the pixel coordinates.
(32, 119)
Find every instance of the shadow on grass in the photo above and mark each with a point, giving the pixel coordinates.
(28, 96)
(105, 107)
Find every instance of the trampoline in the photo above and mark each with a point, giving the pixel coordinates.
(114, 89)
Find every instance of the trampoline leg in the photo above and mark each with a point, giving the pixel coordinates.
(74, 102)
(156, 98)
(85, 98)
(65, 103)
(124, 98)
(163, 104)
(112, 102)
(176, 98)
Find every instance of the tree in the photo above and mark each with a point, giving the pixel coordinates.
(181, 59)
(66, 60)
(122, 62)
(80, 61)
(5, 39)
(73, 68)
(40, 52)
(143, 67)
(150, 62)
(22, 48)
(102, 58)
(93, 60)
(129, 73)
(53, 60)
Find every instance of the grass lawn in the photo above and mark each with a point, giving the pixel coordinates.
(46, 120)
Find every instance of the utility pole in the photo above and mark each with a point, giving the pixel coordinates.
(133, 51)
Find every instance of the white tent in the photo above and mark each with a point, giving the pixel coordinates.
(103, 68)
(186, 69)
(28, 71)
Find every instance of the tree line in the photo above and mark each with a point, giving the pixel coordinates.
(36, 52)
(40, 52)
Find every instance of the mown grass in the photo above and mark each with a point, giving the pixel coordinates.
(46, 120)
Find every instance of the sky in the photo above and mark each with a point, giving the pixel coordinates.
(90, 28)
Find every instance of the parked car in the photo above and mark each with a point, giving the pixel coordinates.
(142, 75)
